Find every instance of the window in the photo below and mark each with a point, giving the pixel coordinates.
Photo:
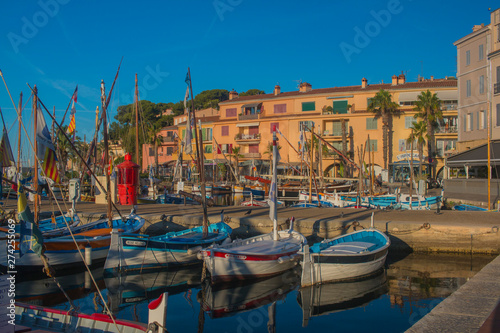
(306, 125)
(409, 122)
(481, 122)
(336, 128)
(481, 84)
(207, 134)
(481, 52)
(308, 106)
(498, 114)
(408, 145)
(368, 101)
(151, 152)
(402, 145)
(253, 149)
(170, 151)
(279, 108)
(467, 58)
(470, 121)
(444, 146)
(224, 130)
(371, 123)
(208, 149)
(225, 149)
(373, 145)
(275, 125)
(468, 88)
(340, 107)
(465, 122)
(231, 112)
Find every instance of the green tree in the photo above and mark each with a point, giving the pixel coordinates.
(428, 106)
(419, 134)
(251, 92)
(383, 107)
(210, 99)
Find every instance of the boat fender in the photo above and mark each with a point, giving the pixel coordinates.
(194, 250)
(283, 259)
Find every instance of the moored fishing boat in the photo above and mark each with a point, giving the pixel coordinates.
(259, 256)
(346, 257)
(142, 252)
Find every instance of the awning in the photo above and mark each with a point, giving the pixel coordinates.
(477, 156)
(448, 95)
(252, 105)
(247, 125)
(408, 96)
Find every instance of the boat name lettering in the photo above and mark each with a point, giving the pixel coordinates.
(236, 256)
(135, 243)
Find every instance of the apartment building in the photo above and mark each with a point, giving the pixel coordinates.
(340, 115)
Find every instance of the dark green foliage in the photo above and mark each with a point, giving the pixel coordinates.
(252, 92)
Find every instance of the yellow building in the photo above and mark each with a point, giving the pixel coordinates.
(247, 121)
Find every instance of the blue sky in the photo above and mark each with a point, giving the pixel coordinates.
(228, 44)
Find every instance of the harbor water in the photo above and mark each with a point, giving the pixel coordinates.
(390, 301)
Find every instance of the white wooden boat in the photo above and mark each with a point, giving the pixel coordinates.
(259, 256)
(131, 252)
(323, 299)
(346, 257)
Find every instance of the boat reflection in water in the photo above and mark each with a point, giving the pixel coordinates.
(318, 300)
(224, 300)
(45, 291)
(125, 290)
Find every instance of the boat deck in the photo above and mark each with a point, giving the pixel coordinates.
(349, 248)
(265, 246)
(193, 237)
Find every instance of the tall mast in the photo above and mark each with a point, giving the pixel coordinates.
(311, 165)
(136, 121)
(199, 157)
(273, 195)
(19, 117)
(35, 167)
(106, 157)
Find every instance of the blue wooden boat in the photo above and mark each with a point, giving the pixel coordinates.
(469, 208)
(345, 257)
(130, 252)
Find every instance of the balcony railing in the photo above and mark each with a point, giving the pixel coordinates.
(248, 116)
(169, 139)
(332, 133)
(496, 87)
(446, 129)
(247, 137)
(251, 155)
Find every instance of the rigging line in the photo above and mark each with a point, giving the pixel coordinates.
(12, 126)
(77, 152)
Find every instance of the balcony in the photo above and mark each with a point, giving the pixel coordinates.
(496, 87)
(251, 155)
(446, 130)
(332, 133)
(240, 137)
(248, 116)
(169, 139)
(449, 107)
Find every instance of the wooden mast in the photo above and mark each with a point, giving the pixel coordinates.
(411, 169)
(199, 157)
(106, 156)
(35, 167)
(19, 117)
(136, 122)
(311, 154)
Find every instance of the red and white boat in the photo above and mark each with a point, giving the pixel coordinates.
(259, 256)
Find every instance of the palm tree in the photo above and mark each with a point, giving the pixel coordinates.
(419, 134)
(236, 154)
(428, 106)
(383, 107)
(156, 140)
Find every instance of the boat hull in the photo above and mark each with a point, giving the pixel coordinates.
(256, 257)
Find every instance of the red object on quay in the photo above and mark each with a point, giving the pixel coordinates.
(128, 181)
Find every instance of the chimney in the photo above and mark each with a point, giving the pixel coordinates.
(305, 87)
(277, 90)
(364, 82)
(432, 77)
(394, 80)
(477, 27)
(401, 79)
(233, 94)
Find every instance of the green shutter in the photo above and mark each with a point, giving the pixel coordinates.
(340, 107)
(371, 123)
(183, 134)
(308, 106)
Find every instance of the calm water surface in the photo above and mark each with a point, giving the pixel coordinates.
(391, 301)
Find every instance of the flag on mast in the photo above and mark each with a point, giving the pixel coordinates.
(72, 124)
(30, 236)
(46, 150)
(188, 148)
(6, 156)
